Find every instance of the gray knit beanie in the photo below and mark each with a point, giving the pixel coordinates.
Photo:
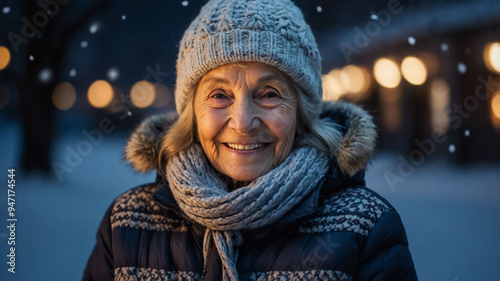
(268, 31)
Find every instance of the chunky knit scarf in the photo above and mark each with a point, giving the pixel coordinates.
(204, 197)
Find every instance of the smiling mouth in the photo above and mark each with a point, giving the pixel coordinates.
(254, 146)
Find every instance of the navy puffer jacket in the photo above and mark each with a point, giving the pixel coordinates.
(341, 231)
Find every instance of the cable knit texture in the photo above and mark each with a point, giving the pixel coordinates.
(228, 31)
(203, 196)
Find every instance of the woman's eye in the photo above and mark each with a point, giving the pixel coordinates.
(270, 94)
(218, 95)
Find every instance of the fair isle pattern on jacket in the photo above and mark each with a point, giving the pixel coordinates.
(306, 275)
(352, 209)
(134, 273)
(136, 209)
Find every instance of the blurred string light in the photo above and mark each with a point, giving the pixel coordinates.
(387, 73)
(142, 94)
(352, 81)
(163, 95)
(4, 57)
(4, 96)
(439, 105)
(495, 110)
(100, 94)
(64, 96)
(414, 70)
(331, 87)
(491, 56)
(495, 105)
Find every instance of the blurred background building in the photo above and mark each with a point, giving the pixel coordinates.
(77, 76)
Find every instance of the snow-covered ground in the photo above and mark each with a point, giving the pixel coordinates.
(451, 214)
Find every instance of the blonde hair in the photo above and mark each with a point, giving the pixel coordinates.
(321, 134)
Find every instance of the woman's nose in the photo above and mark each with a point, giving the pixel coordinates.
(244, 118)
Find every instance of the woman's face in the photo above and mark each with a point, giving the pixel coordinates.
(246, 117)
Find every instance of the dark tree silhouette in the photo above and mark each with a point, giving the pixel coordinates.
(48, 34)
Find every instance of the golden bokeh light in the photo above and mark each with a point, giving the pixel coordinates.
(414, 70)
(491, 56)
(163, 95)
(64, 96)
(100, 94)
(143, 94)
(495, 105)
(387, 73)
(4, 57)
(356, 78)
(332, 89)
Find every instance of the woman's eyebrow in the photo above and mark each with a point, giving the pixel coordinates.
(215, 80)
(271, 77)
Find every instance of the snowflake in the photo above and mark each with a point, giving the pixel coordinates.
(452, 148)
(412, 40)
(462, 68)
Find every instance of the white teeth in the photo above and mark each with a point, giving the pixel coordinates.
(245, 147)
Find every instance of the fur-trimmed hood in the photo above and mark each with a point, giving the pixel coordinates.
(355, 151)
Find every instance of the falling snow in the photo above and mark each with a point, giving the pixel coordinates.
(467, 133)
(72, 72)
(412, 40)
(84, 44)
(45, 75)
(319, 9)
(129, 113)
(93, 28)
(444, 47)
(6, 10)
(462, 68)
(124, 17)
(32, 58)
(113, 74)
(452, 148)
(185, 3)
(374, 17)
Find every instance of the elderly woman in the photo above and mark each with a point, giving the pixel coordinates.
(257, 179)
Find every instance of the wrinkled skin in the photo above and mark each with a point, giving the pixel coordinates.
(246, 119)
